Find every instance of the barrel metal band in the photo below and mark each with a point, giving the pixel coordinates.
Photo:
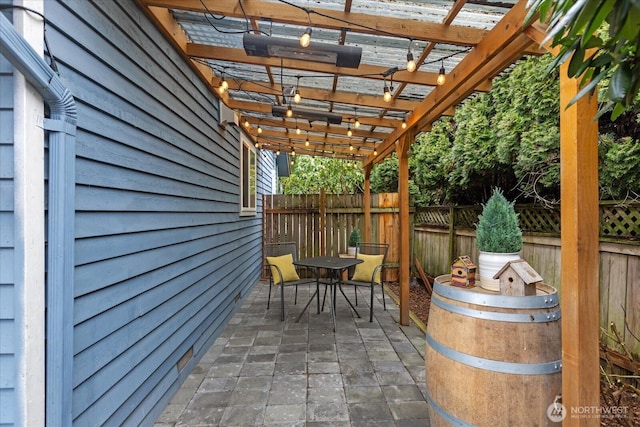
(447, 416)
(502, 301)
(497, 316)
(495, 365)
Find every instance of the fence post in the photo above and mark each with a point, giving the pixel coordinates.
(452, 233)
(323, 221)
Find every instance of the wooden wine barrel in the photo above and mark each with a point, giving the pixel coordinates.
(492, 360)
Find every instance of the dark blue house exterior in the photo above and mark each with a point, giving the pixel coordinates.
(130, 218)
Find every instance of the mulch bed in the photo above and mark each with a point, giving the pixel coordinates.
(611, 396)
(419, 300)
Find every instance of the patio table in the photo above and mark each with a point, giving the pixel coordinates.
(334, 266)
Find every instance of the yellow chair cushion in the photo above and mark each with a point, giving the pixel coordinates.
(364, 270)
(285, 264)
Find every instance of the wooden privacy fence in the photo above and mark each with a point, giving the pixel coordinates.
(438, 240)
(321, 223)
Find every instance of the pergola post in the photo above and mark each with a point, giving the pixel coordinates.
(402, 150)
(579, 253)
(367, 203)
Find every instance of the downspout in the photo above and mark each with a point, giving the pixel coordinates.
(61, 233)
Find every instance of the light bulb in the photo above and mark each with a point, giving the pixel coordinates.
(246, 123)
(356, 124)
(223, 86)
(349, 132)
(298, 131)
(375, 152)
(411, 64)
(305, 40)
(306, 143)
(259, 129)
(257, 145)
(404, 124)
(277, 152)
(293, 151)
(297, 97)
(441, 77)
(351, 147)
(387, 94)
(289, 111)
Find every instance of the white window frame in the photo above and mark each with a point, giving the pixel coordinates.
(248, 178)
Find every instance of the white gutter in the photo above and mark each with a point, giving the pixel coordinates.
(61, 232)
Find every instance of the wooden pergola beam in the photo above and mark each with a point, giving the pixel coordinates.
(312, 137)
(403, 235)
(291, 124)
(373, 72)
(579, 252)
(334, 20)
(262, 107)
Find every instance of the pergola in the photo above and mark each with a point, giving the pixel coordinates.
(342, 113)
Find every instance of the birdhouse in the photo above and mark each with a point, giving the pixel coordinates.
(518, 278)
(463, 272)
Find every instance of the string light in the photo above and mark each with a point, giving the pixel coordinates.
(356, 124)
(246, 123)
(387, 94)
(349, 131)
(289, 112)
(296, 96)
(411, 63)
(306, 142)
(404, 123)
(298, 131)
(259, 129)
(388, 89)
(305, 40)
(441, 75)
(223, 85)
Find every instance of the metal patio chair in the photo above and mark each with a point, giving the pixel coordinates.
(279, 257)
(369, 272)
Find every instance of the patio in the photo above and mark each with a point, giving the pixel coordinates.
(262, 371)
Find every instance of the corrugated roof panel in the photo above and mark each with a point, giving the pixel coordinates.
(382, 51)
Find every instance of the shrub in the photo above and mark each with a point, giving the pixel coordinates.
(497, 229)
(354, 237)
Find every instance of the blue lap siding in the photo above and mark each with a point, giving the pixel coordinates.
(162, 255)
(7, 246)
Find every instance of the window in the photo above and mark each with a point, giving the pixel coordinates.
(247, 178)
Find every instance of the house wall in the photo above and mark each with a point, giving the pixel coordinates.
(162, 256)
(7, 247)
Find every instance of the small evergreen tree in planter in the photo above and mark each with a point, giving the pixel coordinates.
(498, 238)
(354, 238)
